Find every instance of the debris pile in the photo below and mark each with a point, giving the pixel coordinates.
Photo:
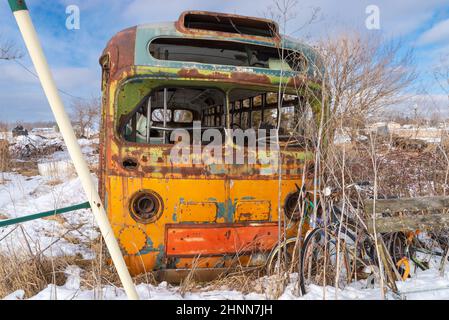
(34, 146)
(409, 143)
(19, 131)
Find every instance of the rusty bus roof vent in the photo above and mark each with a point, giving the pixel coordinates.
(228, 23)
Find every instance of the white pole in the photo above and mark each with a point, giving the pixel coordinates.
(40, 64)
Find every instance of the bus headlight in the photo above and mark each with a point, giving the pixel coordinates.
(146, 206)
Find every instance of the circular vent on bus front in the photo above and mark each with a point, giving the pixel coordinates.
(146, 206)
(294, 204)
(292, 207)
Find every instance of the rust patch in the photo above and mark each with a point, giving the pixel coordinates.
(235, 77)
(297, 81)
(180, 26)
(250, 77)
(121, 49)
(194, 73)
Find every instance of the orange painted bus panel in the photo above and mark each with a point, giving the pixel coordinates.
(252, 211)
(197, 212)
(209, 240)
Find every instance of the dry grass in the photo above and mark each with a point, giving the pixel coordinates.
(31, 274)
(5, 158)
(189, 283)
(25, 168)
(53, 182)
(241, 280)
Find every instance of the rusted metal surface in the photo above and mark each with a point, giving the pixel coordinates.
(156, 162)
(175, 276)
(218, 16)
(121, 50)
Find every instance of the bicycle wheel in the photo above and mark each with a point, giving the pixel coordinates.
(285, 257)
(325, 260)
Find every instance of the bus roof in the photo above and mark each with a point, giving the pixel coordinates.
(130, 47)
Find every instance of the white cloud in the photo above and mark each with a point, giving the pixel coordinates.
(425, 105)
(23, 98)
(397, 18)
(437, 34)
(75, 79)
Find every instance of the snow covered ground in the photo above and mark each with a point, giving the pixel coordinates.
(21, 196)
(71, 234)
(426, 285)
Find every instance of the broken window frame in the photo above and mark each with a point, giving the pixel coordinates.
(218, 116)
(247, 114)
(290, 59)
(231, 24)
(220, 121)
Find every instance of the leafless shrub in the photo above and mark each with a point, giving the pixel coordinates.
(363, 75)
(37, 124)
(441, 74)
(9, 50)
(359, 76)
(85, 116)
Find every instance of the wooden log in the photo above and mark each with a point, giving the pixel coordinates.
(406, 204)
(409, 223)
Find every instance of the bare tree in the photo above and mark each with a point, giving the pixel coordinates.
(85, 116)
(363, 76)
(441, 74)
(9, 50)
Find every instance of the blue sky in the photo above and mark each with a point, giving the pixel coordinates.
(73, 54)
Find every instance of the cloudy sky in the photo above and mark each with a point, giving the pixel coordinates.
(422, 25)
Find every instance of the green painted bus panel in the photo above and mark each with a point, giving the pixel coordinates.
(146, 33)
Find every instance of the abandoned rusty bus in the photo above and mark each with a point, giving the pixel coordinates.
(223, 71)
